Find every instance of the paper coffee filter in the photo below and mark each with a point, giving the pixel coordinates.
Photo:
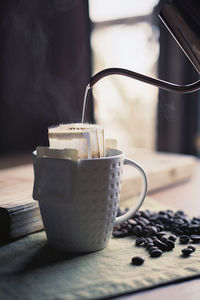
(57, 153)
(88, 139)
(75, 126)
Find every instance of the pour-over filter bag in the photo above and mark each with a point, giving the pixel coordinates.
(87, 139)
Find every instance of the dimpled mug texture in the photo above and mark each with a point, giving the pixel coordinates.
(78, 200)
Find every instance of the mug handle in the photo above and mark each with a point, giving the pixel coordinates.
(142, 196)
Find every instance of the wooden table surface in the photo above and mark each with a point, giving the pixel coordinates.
(185, 196)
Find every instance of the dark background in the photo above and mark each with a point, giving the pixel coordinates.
(45, 64)
(177, 116)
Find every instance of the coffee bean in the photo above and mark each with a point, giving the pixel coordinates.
(153, 218)
(172, 238)
(129, 228)
(141, 223)
(137, 230)
(195, 238)
(163, 218)
(184, 239)
(144, 231)
(152, 230)
(144, 220)
(124, 224)
(196, 219)
(137, 260)
(137, 214)
(163, 239)
(179, 213)
(160, 227)
(116, 233)
(149, 245)
(195, 227)
(179, 221)
(161, 233)
(119, 233)
(124, 230)
(145, 214)
(132, 222)
(156, 253)
(152, 248)
(192, 248)
(177, 230)
(140, 241)
(148, 240)
(162, 246)
(186, 251)
(116, 227)
(170, 244)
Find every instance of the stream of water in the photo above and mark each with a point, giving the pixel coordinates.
(86, 95)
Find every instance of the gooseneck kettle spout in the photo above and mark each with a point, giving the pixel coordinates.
(181, 17)
(124, 72)
(156, 82)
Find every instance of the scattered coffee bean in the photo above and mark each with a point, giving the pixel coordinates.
(184, 239)
(150, 228)
(164, 239)
(177, 230)
(172, 238)
(145, 221)
(119, 234)
(140, 241)
(160, 227)
(195, 238)
(116, 228)
(153, 237)
(195, 219)
(145, 214)
(192, 248)
(170, 244)
(138, 214)
(156, 253)
(161, 233)
(144, 231)
(124, 224)
(186, 251)
(129, 228)
(149, 245)
(137, 260)
(141, 223)
(152, 248)
(148, 240)
(124, 231)
(132, 222)
(137, 230)
(162, 246)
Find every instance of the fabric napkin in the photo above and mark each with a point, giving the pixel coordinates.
(30, 269)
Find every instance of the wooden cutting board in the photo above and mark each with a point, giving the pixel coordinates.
(162, 169)
(20, 215)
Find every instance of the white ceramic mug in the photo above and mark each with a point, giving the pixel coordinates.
(79, 199)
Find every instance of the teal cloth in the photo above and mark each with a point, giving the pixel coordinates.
(30, 269)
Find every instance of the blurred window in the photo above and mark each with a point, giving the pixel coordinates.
(124, 36)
